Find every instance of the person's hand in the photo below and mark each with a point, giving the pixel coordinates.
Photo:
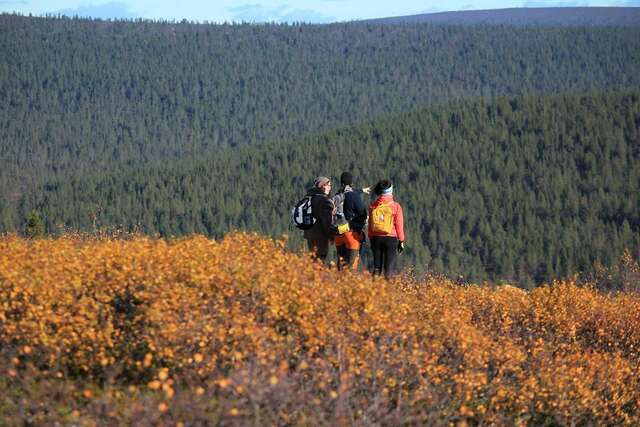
(366, 190)
(343, 228)
(400, 247)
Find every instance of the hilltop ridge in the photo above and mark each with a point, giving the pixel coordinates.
(526, 16)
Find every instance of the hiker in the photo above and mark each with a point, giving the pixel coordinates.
(321, 229)
(350, 208)
(386, 229)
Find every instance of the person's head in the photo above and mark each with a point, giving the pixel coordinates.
(383, 187)
(323, 183)
(346, 179)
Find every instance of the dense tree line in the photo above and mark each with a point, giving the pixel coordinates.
(83, 95)
(521, 189)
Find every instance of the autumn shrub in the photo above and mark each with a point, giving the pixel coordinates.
(193, 331)
(622, 276)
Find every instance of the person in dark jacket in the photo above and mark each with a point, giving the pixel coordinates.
(324, 229)
(350, 208)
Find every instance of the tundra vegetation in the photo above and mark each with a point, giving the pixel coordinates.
(191, 331)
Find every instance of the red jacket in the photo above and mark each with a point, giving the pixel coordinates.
(398, 220)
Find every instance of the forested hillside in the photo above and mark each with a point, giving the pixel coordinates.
(521, 189)
(85, 95)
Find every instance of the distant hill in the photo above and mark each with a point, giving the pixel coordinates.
(546, 16)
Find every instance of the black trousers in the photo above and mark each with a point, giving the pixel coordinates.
(319, 248)
(385, 249)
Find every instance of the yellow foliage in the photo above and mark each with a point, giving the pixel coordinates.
(265, 317)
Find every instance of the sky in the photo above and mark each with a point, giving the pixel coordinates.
(314, 11)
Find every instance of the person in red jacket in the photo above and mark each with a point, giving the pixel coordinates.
(386, 229)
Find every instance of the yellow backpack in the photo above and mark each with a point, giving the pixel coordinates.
(382, 218)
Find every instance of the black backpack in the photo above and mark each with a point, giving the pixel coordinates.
(303, 214)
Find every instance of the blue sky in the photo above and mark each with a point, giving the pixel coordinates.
(318, 11)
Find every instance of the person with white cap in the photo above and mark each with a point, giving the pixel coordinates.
(386, 229)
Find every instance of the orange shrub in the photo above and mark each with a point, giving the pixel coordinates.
(240, 331)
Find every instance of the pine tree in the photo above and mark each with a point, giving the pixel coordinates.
(34, 227)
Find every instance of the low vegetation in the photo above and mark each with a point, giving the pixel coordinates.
(191, 331)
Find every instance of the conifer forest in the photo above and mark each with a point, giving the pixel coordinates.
(514, 149)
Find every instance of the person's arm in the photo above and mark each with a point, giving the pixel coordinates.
(325, 216)
(399, 222)
(360, 210)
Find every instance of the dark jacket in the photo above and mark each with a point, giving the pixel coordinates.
(322, 209)
(354, 209)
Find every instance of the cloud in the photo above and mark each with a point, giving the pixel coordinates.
(113, 10)
(254, 13)
(12, 2)
(431, 10)
(306, 15)
(283, 13)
